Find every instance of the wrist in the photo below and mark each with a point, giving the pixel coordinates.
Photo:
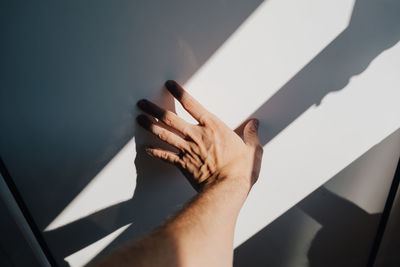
(233, 184)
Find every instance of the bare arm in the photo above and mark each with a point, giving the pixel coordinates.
(219, 164)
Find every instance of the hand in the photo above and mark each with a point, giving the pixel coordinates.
(210, 151)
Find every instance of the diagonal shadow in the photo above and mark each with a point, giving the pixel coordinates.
(325, 229)
(156, 196)
(372, 30)
(345, 238)
(347, 234)
(71, 73)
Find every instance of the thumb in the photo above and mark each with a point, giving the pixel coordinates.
(250, 133)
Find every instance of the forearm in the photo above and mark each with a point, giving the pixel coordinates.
(203, 231)
(201, 234)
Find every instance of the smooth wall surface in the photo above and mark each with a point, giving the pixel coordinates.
(322, 77)
(71, 74)
(336, 224)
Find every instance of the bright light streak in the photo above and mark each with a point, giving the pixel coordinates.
(114, 184)
(86, 254)
(271, 46)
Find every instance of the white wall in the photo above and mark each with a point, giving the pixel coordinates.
(336, 224)
(322, 77)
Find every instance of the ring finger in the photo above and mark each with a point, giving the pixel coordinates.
(162, 133)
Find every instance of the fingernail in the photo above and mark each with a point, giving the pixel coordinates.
(141, 119)
(141, 103)
(170, 84)
(174, 88)
(256, 123)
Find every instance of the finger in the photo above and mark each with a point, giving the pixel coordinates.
(167, 117)
(165, 155)
(250, 133)
(188, 102)
(239, 130)
(161, 132)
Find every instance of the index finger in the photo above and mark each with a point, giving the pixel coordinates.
(188, 102)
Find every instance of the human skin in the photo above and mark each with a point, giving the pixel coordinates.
(222, 165)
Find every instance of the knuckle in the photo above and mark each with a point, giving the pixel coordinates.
(163, 155)
(189, 132)
(188, 102)
(204, 119)
(161, 135)
(184, 147)
(186, 130)
(211, 122)
(194, 149)
(167, 119)
(211, 133)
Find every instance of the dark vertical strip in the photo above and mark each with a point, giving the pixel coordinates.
(385, 217)
(21, 204)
